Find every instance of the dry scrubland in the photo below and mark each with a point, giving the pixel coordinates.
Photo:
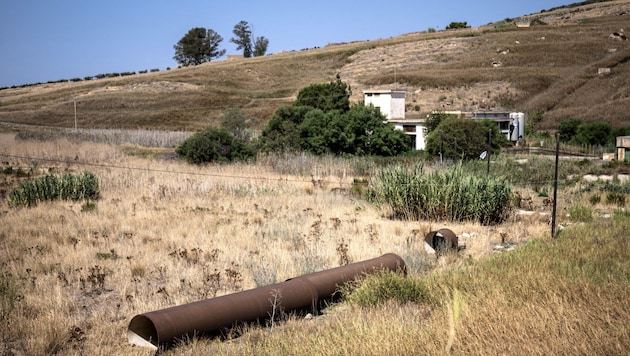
(166, 233)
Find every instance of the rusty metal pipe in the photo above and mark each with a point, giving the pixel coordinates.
(207, 317)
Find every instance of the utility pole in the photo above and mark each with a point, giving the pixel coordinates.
(555, 190)
(75, 114)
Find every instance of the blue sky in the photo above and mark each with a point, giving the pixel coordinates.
(46, 40)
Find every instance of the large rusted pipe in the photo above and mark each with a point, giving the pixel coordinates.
(208, 317)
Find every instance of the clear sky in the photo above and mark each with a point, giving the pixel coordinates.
(47, 40)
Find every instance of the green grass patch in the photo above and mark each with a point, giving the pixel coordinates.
(379, 288)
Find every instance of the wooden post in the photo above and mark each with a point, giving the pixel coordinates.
(555, 190)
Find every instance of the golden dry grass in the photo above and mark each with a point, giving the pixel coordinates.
(166, 233)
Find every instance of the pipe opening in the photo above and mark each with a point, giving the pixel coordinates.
(142, 332)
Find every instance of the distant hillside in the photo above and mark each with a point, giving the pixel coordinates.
(568, 62)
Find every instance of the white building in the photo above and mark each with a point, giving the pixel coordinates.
(511, 124)
(391, 103)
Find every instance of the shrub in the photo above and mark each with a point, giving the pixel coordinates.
(83, 186)
(446, 195)
(214, 145)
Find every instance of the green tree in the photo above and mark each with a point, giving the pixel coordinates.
(243, 38)
(594, 133)
(326, 96)
(498, 138)
(260, 46)
(238, 123)
(362, 130)
(282, 132)
(371, 133)
(198, 46)
(214, 145)
(568, 128)
(455, 25)
(459, 138)
(434, 120)
(534, 118)
(321, 121)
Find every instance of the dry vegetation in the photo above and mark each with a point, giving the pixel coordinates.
(551, 67)
(165, 233)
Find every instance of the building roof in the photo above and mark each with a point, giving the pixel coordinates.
(383, 91)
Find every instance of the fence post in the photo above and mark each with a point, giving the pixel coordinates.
(555, 190)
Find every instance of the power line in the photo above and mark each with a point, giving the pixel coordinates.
(156, 170)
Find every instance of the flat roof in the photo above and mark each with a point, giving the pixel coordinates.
(383, 91)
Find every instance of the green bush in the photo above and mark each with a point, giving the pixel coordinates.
(442, 195)
(83, 186)
(214, 145)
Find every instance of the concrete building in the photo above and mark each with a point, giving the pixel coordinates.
(391, 103)
(623, 148)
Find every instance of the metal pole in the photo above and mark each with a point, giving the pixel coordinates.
(440, 145)
(555, 190)
(489, 148)
(75, 114)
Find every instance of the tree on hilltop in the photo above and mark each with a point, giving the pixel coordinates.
(198, 46)
(456, 25)
(243, 39)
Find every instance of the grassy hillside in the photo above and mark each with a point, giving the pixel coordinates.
(551, 66)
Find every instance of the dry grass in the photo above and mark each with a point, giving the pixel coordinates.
(165, 233)
(551, 68)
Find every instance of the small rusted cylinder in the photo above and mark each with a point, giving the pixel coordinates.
(208, 317)
(443, 239)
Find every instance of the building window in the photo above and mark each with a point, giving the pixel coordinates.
(409, 128)
(504, 125)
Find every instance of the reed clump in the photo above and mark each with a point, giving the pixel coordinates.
(82, 186)
(450, 195)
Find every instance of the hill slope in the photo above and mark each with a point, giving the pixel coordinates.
(551, 66)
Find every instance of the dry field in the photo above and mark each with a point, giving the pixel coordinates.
(166, 233)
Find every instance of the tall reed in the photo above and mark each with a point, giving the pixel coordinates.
(82, 186)
(442, 195)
